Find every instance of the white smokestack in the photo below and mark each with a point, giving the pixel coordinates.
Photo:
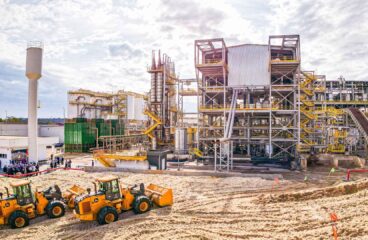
(33, 73)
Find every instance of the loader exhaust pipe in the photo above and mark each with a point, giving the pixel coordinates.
(7, 191)
(95, 186)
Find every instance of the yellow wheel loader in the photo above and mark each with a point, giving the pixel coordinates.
(16, 209)
(110, 199)
(70, 194)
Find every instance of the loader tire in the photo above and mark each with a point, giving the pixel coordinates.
(141, 204)
(55, 209)
(107, 215)
(18, 219)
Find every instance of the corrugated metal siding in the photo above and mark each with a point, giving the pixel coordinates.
(248, 65)
(131, 107)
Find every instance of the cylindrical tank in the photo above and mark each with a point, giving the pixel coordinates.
(258, 104)
(34, 61)
(269, 149)
(181, 140)
(153, 88)
(159, 87)
(33, 73)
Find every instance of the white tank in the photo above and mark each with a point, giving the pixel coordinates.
(258, 104)
(153, 88)
(33, 73)
(269, 149)
(181, 140)
(159, 87)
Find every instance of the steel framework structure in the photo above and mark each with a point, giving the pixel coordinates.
(259, 120)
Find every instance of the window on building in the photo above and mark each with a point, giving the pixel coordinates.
(3, 155)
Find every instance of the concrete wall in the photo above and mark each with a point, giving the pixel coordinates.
(52, 131)
(13, 129)
(21, 130)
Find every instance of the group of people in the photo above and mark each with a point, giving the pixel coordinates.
(59, 161)
(20, 167)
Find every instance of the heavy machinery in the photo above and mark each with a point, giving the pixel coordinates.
(17, 208)
(110, 199)
(70, 194)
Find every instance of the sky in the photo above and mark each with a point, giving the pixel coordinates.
(106, 45)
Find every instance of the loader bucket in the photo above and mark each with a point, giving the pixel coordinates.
(159, 195)
(71, 193)
(77, 190)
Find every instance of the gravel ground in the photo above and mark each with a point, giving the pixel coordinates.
(215, 208)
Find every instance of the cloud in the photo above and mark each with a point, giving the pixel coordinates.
(105, 44)
(125, 50)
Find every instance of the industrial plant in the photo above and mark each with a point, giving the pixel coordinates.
(262, 124)
(256, 105)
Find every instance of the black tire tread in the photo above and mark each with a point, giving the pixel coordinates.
(51, 205)
(102, 213)
(138, 200)
(15, 215)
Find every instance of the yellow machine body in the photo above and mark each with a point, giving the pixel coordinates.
(70, 194)
(22, 200)
(162, 197)
(89, 206)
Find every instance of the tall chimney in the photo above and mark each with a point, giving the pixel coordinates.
(33, 73)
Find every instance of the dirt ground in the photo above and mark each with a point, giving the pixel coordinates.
(218, 208)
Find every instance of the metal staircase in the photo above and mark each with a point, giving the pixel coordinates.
(307, 110)
(157, 122)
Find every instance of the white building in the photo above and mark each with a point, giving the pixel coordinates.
(124, 105)
(21, 130)
(11, 146)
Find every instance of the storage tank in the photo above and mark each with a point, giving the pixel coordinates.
(181, 141)
(258, 104)
(159, 87)
(33, 73)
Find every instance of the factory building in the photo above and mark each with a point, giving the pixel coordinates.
(123, 105)
(15, 147)
(257, 102)
(14, 143)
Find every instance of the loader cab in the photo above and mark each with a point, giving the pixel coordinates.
(22, 192)
(110, 187)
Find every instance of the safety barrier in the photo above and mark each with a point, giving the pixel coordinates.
(39, 172)
(349, 171)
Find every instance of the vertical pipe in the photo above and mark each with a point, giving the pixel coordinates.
(32, 120)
